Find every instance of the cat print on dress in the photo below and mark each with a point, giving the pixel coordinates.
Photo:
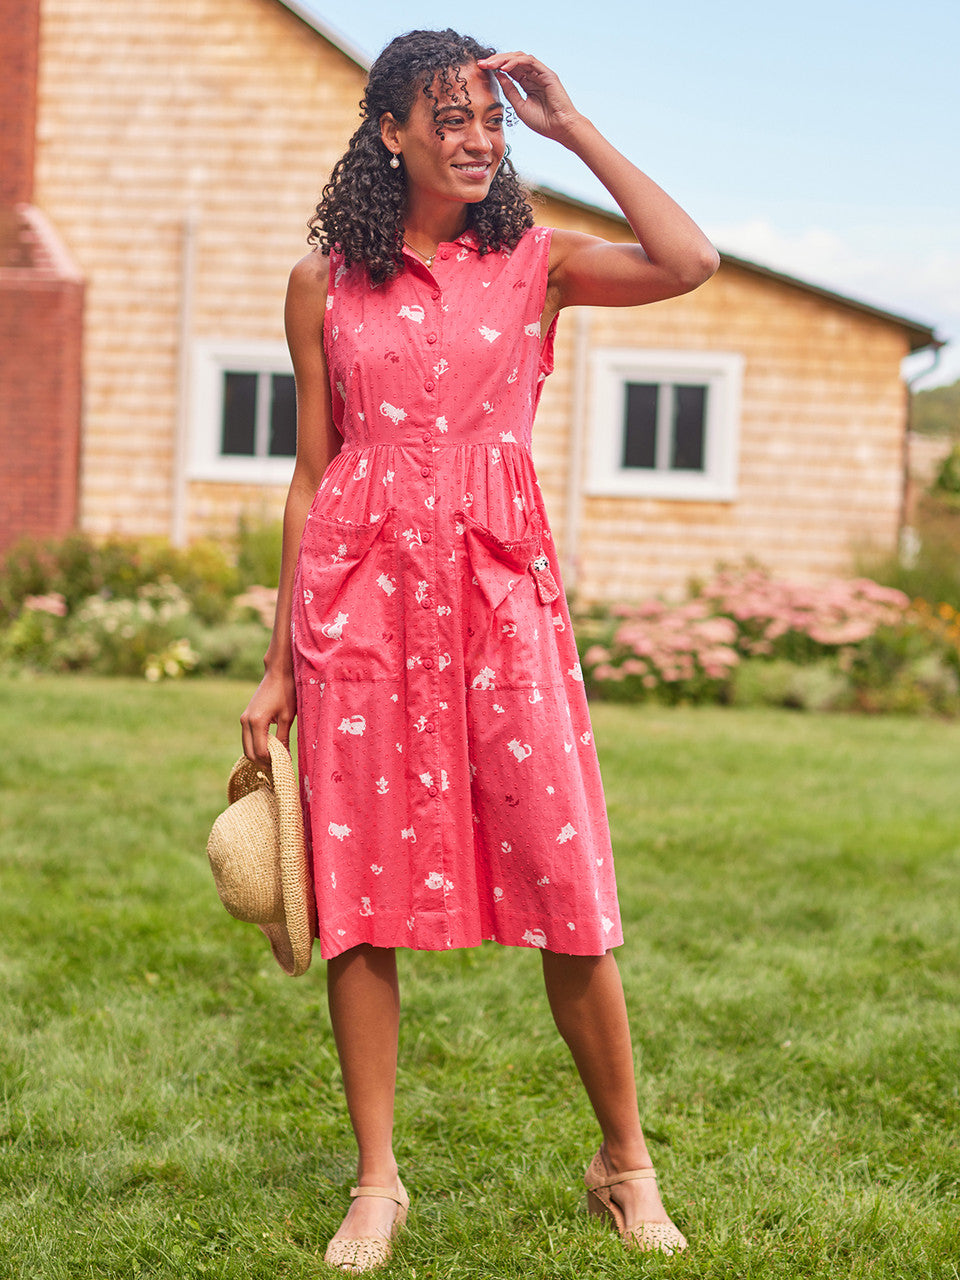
(390, 411)
(353, 724)
(449, 792)
(334, 630)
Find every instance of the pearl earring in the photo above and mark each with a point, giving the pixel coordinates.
(395, 162)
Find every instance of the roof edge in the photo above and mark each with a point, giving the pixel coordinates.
(920, 335)
(40, 255)
(330, 34)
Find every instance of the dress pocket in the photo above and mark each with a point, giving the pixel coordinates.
(347, 621)
(508, 626)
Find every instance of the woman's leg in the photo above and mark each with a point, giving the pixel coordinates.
(364, 998)
(588, 1006)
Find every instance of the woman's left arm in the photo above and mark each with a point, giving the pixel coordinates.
(673, 255)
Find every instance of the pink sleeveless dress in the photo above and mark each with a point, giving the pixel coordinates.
(449, 776)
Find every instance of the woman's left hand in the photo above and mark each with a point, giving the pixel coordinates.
(544, 106)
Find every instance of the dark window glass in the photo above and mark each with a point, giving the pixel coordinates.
(283, 416)
(239, 414)
(640, 427)
(689, 419)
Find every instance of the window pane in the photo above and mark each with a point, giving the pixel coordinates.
(283, 416)
(689, 422)
(640, 425)
(239, 414)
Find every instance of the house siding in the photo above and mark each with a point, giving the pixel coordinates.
(228, 111)
(822, 424)
(227, 116)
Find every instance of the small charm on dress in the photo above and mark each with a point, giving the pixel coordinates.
(547, 588)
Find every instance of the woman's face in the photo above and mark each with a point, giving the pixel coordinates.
(460, 165)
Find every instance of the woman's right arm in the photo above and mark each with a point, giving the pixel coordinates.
(318, 441)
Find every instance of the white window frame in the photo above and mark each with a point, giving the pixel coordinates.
(720, 371)
(210, 361)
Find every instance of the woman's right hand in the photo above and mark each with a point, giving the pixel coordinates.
(275, 702)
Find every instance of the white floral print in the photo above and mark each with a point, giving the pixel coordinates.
(449, 778)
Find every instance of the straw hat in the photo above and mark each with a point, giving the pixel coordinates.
(259, 861)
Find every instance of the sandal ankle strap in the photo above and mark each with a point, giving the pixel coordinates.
(397, 1194)
(632, 1175)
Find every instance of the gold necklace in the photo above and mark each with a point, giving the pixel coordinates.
(423, 256)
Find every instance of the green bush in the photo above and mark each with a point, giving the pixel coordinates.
(78, 567)
(119, 637)
(203, 571)
(132, 606)
(29, 568)
(818, 686)
(233, 649)
(932, 571)
(909, 669)
(31, 640)
(259, 543)
(778, 682)
(761, 682)
(948, 476)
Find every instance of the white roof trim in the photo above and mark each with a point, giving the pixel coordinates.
(921, 335)
(329, 33)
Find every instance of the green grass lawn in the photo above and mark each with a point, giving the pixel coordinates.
(170, 1101)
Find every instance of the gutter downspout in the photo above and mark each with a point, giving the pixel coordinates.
(573, 501)
(188, 271)
(908, 540)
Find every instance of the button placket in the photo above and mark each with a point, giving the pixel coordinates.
(425, 765)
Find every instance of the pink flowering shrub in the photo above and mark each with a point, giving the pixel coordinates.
(865, 646)
(680, 649)
(53, 603)
(776, 617)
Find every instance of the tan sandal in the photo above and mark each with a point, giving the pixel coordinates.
(648, 1237)
(369, 1252)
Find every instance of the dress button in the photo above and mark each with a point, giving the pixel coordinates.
(428, 664)
(427, 437)
(426, 604)
(431, 728)
(425, 471)
(425, 537)
(443, 255)
(432, 791)
(429, 386)
(437, 296)
(431, 338)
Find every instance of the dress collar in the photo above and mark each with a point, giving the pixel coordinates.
(468, 240)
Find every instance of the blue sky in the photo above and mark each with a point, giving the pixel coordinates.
(820, 139)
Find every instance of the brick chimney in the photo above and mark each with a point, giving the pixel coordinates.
(41, 313)
(19, 60)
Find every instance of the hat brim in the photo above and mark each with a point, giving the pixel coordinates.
(291, 940)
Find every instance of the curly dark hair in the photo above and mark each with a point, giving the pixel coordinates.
(361, 210)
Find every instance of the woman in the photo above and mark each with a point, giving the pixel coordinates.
(450, 785)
